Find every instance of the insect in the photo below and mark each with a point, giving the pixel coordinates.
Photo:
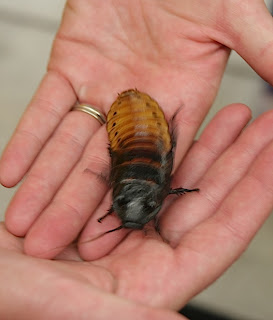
(141, 150)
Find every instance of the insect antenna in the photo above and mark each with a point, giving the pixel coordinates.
(75, 244)
(115, 229)
(101, 235)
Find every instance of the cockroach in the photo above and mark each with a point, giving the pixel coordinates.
(141, 150)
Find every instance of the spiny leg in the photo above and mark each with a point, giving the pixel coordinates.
(180, 191)
(111, 210)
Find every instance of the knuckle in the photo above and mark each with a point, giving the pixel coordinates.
(29, 135)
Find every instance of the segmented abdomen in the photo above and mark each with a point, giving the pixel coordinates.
(140, 142)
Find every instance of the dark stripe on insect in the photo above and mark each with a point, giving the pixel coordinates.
(128, 155)
(138, 171)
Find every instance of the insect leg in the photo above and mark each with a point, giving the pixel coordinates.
(173, 130)
(179, 191)
(157, 226)
(111, 210)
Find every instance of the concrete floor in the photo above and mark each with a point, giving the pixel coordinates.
(26, 33)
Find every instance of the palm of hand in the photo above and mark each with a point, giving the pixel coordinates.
(157, 49)
(131, 271)
(150, 46)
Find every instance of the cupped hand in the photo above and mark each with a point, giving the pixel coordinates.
(202, 234)
(176, 51)
(67, 288)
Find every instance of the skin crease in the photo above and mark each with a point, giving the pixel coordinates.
(177, 57)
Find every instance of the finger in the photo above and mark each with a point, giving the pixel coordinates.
(49, 171)
(217, 242)
(187, 212)
(9, 241)
(219, 134)
(51, 102)
(63, 219)
(223, 129)
(250, 29)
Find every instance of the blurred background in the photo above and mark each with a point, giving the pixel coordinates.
(27, 29)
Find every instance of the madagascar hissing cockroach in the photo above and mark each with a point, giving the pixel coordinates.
(141, 150)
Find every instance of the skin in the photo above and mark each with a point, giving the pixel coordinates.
(68, 288)
(178, 58)
(216, 226)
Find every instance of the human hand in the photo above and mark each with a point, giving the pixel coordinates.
(66, 288)
(206, 232)
(176, 51)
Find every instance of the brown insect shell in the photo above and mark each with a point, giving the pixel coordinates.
(135, 114)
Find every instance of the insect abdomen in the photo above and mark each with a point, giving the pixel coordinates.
(140, 142)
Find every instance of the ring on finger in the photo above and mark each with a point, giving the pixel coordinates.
(92, 111)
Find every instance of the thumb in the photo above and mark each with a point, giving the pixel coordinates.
(251, 35)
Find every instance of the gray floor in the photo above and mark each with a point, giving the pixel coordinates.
(26, 33)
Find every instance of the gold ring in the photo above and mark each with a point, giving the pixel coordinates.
(90, 110)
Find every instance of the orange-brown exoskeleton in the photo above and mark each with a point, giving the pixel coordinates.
(141, 150)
